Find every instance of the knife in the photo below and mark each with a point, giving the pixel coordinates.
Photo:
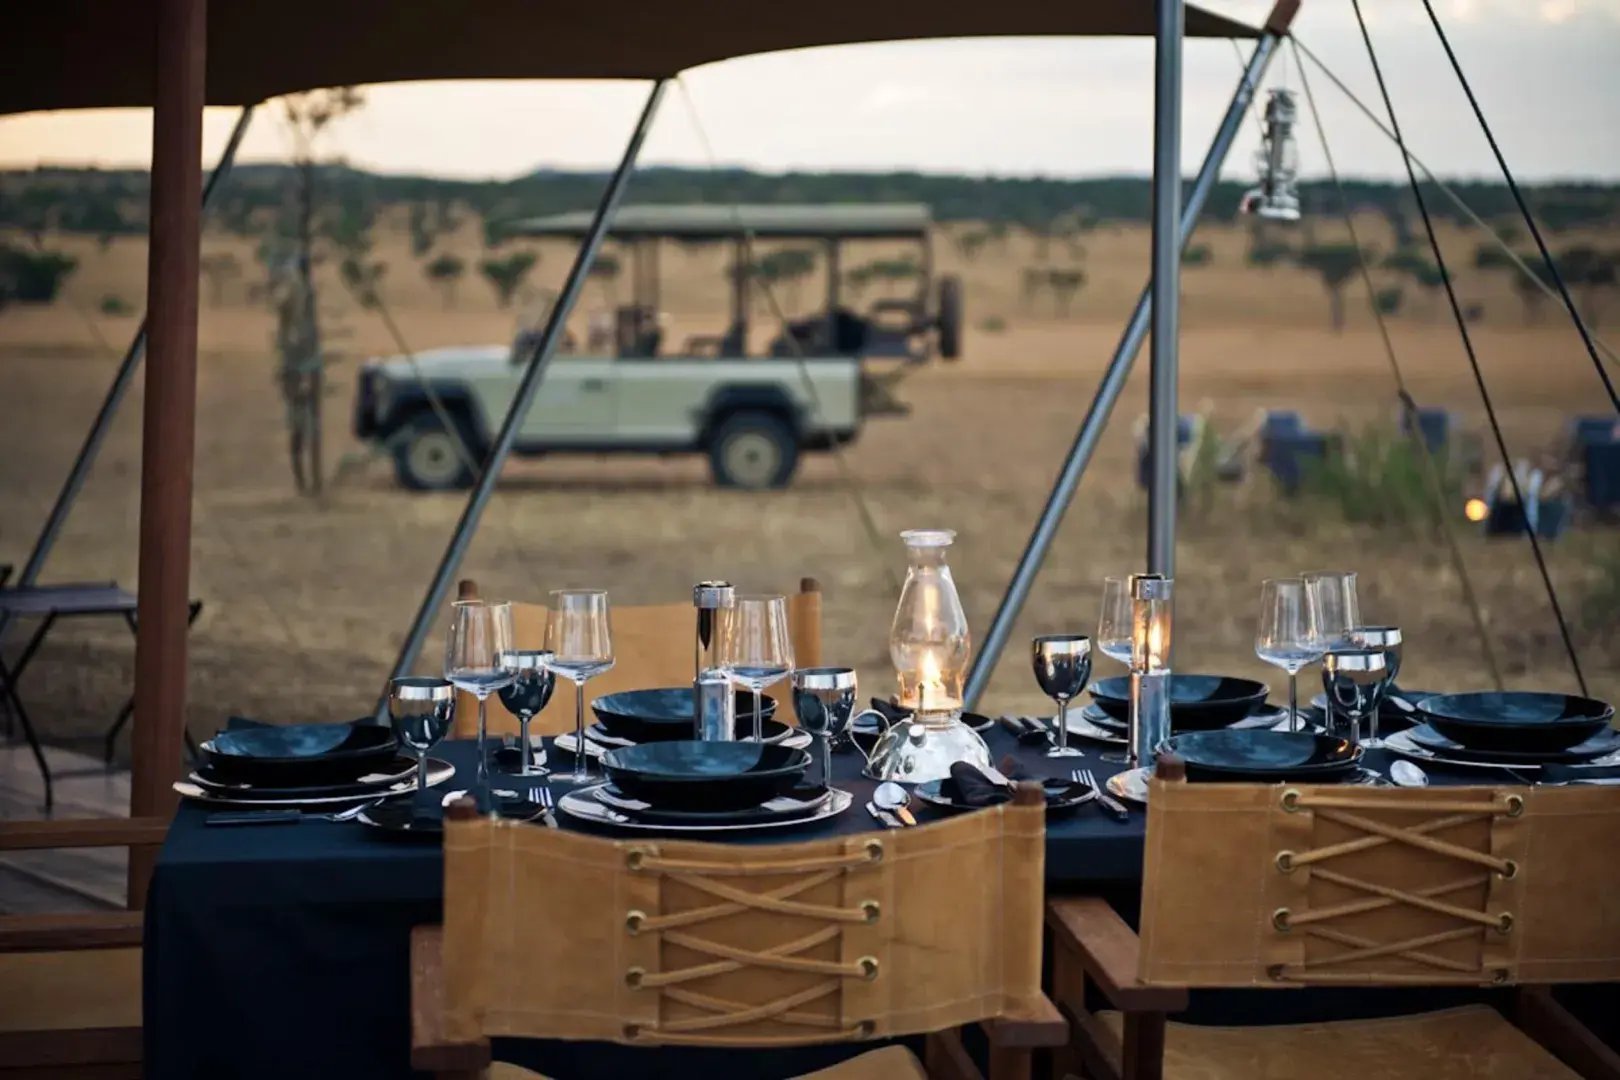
(883, 817)
(1115, 809)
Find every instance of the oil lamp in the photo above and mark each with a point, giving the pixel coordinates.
(1151, 607)
(930, 648)
(1277, 197)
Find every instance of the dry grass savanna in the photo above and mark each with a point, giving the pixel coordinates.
(306, 600)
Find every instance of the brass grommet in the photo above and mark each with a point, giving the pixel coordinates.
(632, 1031)
(866, 1028)
(874, 850)
(1515, 805)
(1275, 972)
(1279, 919)
(1504, 922)
(1285, 861)
(633, 859)
(1499, 976)
(1510, 871)
(872, 909)
(1290, 800)
(632, 978)
(869, 967)
(633, 921)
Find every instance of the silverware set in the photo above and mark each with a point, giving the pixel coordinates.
(882, 816)
(1029, 730)
(1116, 809)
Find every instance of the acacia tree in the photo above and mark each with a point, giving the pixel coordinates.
(445, 272)
(506, 274)
(1335, 264)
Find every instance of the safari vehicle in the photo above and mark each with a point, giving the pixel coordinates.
(630, 391)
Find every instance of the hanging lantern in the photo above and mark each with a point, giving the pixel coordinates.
(1277, 197)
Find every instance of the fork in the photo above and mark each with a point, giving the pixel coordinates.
(542, 795)
(1114, 807)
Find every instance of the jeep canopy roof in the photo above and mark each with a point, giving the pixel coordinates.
(100, 53)
(783, 221)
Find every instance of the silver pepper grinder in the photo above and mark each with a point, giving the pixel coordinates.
(708, 597)
(716, 707)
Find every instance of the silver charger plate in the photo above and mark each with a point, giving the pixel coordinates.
(1132, 784)
(797, 740)
(582, 805)
(226, 788)
(1402, 745)
(438, 772)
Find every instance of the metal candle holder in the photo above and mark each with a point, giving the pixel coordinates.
(1151, 607)
(708, 597)
(716, 715)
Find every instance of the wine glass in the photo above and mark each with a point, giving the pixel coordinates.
(1387, 640)
(580, 640)
(1062, 666)
(1114, 625)
(1287, 636)
(824, 701)
(527, 694)
(1355, 681)
(755, 647)
(480, 634)
(421, 710)
(1335, 608)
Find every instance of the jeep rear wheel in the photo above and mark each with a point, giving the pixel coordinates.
(753, 450)
(428, 457)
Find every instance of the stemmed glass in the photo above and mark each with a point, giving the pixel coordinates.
(525, 696)
(1387, 640)
(1355, 681)
(581, 644)
(1287, 636)
(824, 701)
(756, 649)
(1062, 666)
(1335, 607)
(480, 634)
(421, 710)
(1114, 631)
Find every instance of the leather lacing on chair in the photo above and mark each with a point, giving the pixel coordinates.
(1471, 921)
(677, 928)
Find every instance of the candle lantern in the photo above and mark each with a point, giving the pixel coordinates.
(708, 597)
(1151, 607)
(930, 647)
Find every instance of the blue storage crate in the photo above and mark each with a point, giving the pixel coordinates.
(1280, 422)
(1286, 456)
(1434, 424)
(1602, 468)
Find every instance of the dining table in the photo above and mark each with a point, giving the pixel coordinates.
(283, 950)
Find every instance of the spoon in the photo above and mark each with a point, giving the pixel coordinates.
(891, 796)
(1407, 774)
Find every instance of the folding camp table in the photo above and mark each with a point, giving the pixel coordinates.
(49, 603)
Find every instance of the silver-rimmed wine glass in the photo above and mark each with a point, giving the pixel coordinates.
(824, 702)
(421, 710)
(525, 696)
(1062, 668)
(1355, 681)
(1387, 640)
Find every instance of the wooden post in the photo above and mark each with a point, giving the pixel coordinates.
(168, 431)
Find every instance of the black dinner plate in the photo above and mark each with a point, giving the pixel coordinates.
(773, 731)
(399, 817)
(809, 799)
(1061, 796)
(1605, 742)
(664, 713)
(687, 774)
(1516, 720)
(1263, 756)
(299, 755)
(1197, 702)
(388, 773)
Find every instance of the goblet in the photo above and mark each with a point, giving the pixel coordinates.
(824, 701)
(479, 633)
(1387, 640)
(1062, 668)
(421, 710)
(580, 637)
(755, 646)
(1355, 681)
(525, 696)
(1286, 636)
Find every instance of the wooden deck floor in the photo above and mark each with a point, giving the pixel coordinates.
(81, 879)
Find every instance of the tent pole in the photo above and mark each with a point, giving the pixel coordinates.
(533, 372)
(115, 394)
(168, 434)
(1165, 354)
(1119, 367)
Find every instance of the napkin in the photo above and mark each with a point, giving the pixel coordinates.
(969, 785)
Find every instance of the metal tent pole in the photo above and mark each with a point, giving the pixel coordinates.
(1163, 414)
(1119, 367)
(168, 419)
(533, 372)
(115, 395)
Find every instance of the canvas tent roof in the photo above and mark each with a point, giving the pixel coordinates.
(717, 222)
(99, 53)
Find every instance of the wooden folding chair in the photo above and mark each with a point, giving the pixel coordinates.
(1294, 885)
(70, 985)
(677, 943)
(652, 647)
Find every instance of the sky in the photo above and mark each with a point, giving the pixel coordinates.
(1545, 71)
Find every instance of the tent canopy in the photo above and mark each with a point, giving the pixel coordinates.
(785, 221)
(100, 53)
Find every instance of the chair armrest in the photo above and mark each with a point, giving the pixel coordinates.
(1541, 1017)
(71, 932)
(1040, 1024)
(83, 832)
(1108, 951)
(431, 1050)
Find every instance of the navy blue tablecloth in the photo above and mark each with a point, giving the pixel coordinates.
(283, 950)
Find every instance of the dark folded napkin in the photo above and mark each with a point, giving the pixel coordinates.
(969, 785)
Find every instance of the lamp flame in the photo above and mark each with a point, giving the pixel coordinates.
(1475, 510)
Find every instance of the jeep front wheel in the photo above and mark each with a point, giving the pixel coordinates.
(753, 450)
(430, 457)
